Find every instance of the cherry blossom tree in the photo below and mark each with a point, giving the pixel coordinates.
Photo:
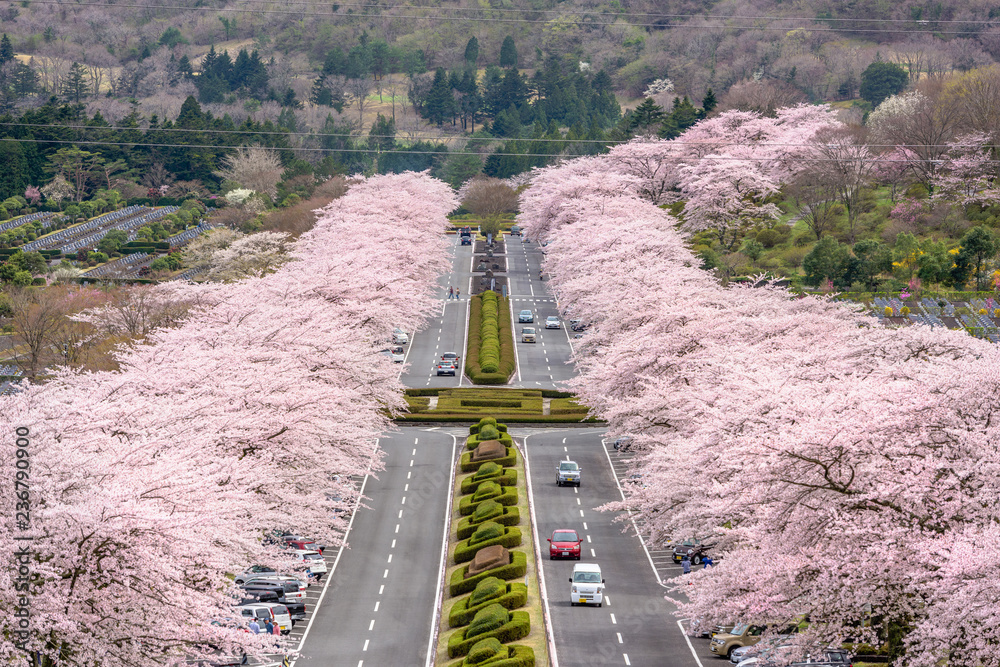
(858, 458)
(150, 484)
(968, 175)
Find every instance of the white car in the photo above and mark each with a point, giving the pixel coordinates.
(587, 585)
(315, 561)
(395, 353)
(552, 322)
(278, 612)
(400, 337)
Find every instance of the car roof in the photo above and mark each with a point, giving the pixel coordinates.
(586, 567)
(302, 552)
(526, 310)
(552, 317)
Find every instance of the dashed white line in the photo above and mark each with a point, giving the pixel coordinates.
(377, 603)
(400, 514)
(581, 512)
(411, 463)
(360, 663)
(406, 487)
(393, 544)
(385, 575)
(408, 473)
(381, 588)
(576, 489)
(414, 452)
(588, 539)
(592, 554)
(620, 640)
(565, 449)
(577, 501)
(390, 559)
(397, 527)
(585, 526)
(371, 626)
(614, 621)
(366, 645)
(607, 600)
(404, 501)
(625, 655)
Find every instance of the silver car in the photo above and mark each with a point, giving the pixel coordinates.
(568, 472)
(552, 322)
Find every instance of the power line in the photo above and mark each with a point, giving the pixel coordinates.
(811, 28)
(681, 158)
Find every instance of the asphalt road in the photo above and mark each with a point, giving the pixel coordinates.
(378, 607)
(636, 625)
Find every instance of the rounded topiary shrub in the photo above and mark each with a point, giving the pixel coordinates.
(485, 651)
(488, 469)
(490, 530)
(487, 510)
(488, 589)
(489, 432)
(486, 491)
(486, 620)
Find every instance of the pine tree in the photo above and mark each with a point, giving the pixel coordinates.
(74, 86)
(508, 52)
(439, 103)
(320, 94)
(7, 50)
(472, 51)
(208, 64)
(708, 103)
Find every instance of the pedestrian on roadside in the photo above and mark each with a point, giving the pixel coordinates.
(269, 627)
(686, 564)
(458, 293)
(451, 292)
(708, 562)
(254, 628)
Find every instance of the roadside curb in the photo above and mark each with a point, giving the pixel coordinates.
(546, 613)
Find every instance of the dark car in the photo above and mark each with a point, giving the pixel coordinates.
(515, 230)
(564, 544)
(525, 317)
(695, 549)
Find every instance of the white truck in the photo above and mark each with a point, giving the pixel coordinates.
(587, 585)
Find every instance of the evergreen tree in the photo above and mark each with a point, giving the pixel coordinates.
(184, 68)
(7, 50)
(381, 139)
(335, 62)
(208, 63)
(507, 123)
(13, 176)
(471, 51)
(708, 103)
(320, 94)
(683, 116)
(508, 52)
(881, 80)
(241, 70)
(75, 85)
(644, 117)
(439, 103)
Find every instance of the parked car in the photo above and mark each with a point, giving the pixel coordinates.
(577, 325)
(568, 472)
(623, 444)
(254, 571)
(278, 614)
(741, 635)
(552, 322)
(291, 587)
(525, 317)
(564, 543)
(296, 608)
(300, 542)
(446, 367)
(400, 337)
(527, 334)
(695, 549)
(314, 560)
(395, 353)
(587, 585)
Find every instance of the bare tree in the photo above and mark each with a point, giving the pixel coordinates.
(816, 198)
(254, 168)
(762, 96)
(44, 334)
(847, 165)
(359, 89)
(490, 198)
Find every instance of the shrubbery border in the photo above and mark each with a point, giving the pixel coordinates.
(504, 333)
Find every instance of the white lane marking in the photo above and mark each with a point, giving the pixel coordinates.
(688, 640)
(408, 473)
(620, 640)
(404, 501)
(585, 526)
(588, 539)
(435, 619)
(414, 452)
(333, 568)
(581, 512)
(607, 600)
(393, 544)
(416, 441)
(614, 621)
(385, 575)
(625, 655)
(397, 528)
(371, 626)
(517, 358)
(577, 501)
(406, 487)
(366, 645)
(381, 588)
(565, 449)
(411, 463)
(390, 559)
(576, 489)
(564, 441)
(592, 554)
(400, 514)
(360, 663)
(377, 603)
(649, 557)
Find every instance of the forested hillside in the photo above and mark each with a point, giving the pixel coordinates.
(461, 87)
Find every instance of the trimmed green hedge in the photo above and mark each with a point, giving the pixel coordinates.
(509, 596)
(507, 477)
(509, 516)
(488, 403)
(431, 418)
(466, 549)
(468, 504)
(474, 441)
(490, 353)
(468, 465)
(517, 567)
(517, 627)
(474, 429)
(517, 656)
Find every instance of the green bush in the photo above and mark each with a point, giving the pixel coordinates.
(490, 352)
(506, 477)
(485, 491)
(509, 596)
(488, 432)
(475, 428)
(517, 566)
(507, 516)
(508, 496)
(517, 627)
(489, 403)
(517, 656)
(468, 465)
(489, 618)
(507, 537)
(473, 441)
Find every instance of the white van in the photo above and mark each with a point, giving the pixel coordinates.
(262, 610)
(587, 585)
(314, 559)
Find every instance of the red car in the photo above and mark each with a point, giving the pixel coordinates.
(564, 544)
(300, 542)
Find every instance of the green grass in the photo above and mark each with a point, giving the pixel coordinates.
(536, 638)
(450, 406)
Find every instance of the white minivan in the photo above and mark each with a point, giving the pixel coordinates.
(278, 613)
(315, 561)
(587, 585)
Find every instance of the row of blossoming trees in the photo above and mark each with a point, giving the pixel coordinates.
(849, 472)
(149, 484)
